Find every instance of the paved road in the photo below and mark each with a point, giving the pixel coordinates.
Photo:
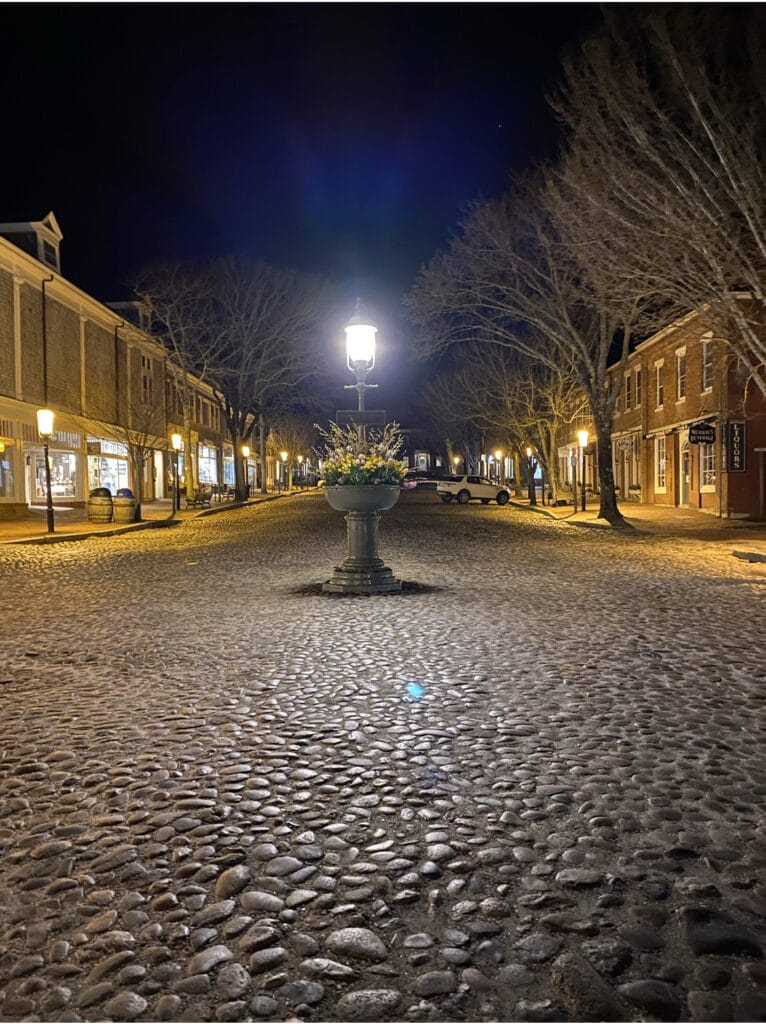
(531, 789)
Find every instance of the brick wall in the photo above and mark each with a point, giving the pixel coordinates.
(63, 329)
(31, 345)
(7, 348)
(100, 373)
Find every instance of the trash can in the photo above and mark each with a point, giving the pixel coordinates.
(124, 506)
(100, 505)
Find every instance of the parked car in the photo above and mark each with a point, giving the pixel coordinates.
(463, 489)
(422, 480)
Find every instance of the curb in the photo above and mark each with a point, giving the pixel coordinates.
(147, 524)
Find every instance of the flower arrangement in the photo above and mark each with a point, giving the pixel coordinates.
(349, 459)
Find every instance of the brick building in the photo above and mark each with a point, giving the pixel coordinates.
(688, 430)
(99, 370)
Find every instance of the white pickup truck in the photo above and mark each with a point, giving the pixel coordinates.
(472, 488)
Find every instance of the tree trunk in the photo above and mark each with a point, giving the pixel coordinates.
(608, 506)
(262, 451)
(240, 483)
(139, 486)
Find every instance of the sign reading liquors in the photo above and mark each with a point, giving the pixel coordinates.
(735, 446)
(701, 433)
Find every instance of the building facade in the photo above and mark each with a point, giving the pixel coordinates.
(103, 375)
(689, 428)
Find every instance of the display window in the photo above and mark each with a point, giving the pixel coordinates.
(6, 470)
(106, 471)
(207, 462)
(63, 475)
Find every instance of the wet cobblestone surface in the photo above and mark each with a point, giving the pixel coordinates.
(533, 790)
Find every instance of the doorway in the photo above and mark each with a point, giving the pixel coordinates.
(684, 480)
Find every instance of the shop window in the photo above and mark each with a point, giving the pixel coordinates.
(6, 470)
(207, 465)
(660, 465)
(707, 467)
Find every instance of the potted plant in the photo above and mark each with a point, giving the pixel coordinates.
(363, 476)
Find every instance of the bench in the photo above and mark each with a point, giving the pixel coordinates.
(200, 500)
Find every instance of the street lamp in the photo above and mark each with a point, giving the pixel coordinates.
(283, 457)
(300, 470)
(45, 430)
(531, 468)
(456, 462)
(498, 459)
(360, 354)
(245, 457)
(582, 438)
(176, 440)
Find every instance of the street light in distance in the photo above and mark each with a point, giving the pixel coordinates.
(582, 440)
(45, 430)
(245, 457)
(176, 441)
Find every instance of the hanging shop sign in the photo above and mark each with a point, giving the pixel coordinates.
(735, 446)
(702, 433)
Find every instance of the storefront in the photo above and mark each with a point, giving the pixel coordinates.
(207, 461)
(108, 464)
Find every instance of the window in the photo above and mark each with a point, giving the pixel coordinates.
(628, 385)
(707, 363)
(207, 465)
(659, 378)
(638, 388)
(50, 255)
(707, 467)
(681, 375)
(147, 380)
(660, 466)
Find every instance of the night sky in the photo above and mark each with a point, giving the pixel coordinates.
(343, 139)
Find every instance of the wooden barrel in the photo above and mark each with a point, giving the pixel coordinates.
(99, 509)
(124, 509)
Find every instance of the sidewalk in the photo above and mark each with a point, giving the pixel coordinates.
(748, 539)
(73, 524)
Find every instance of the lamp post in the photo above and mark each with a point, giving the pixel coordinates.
(498, 460)
(582, 439)
(456, 462)
(176, 440)
(45, 430)
(245, 457)
(531, 468)
(362, 571)
(283, 457)
(300, 470)
(360, 354)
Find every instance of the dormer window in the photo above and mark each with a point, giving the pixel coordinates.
(50, 254)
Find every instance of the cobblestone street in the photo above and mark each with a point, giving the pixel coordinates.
(531, 788)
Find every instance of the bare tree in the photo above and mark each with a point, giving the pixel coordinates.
(527, 402)
(142, 435)
(514, 275)
(294, 435)
(179, 300)
(665, 114)
(250, 330)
